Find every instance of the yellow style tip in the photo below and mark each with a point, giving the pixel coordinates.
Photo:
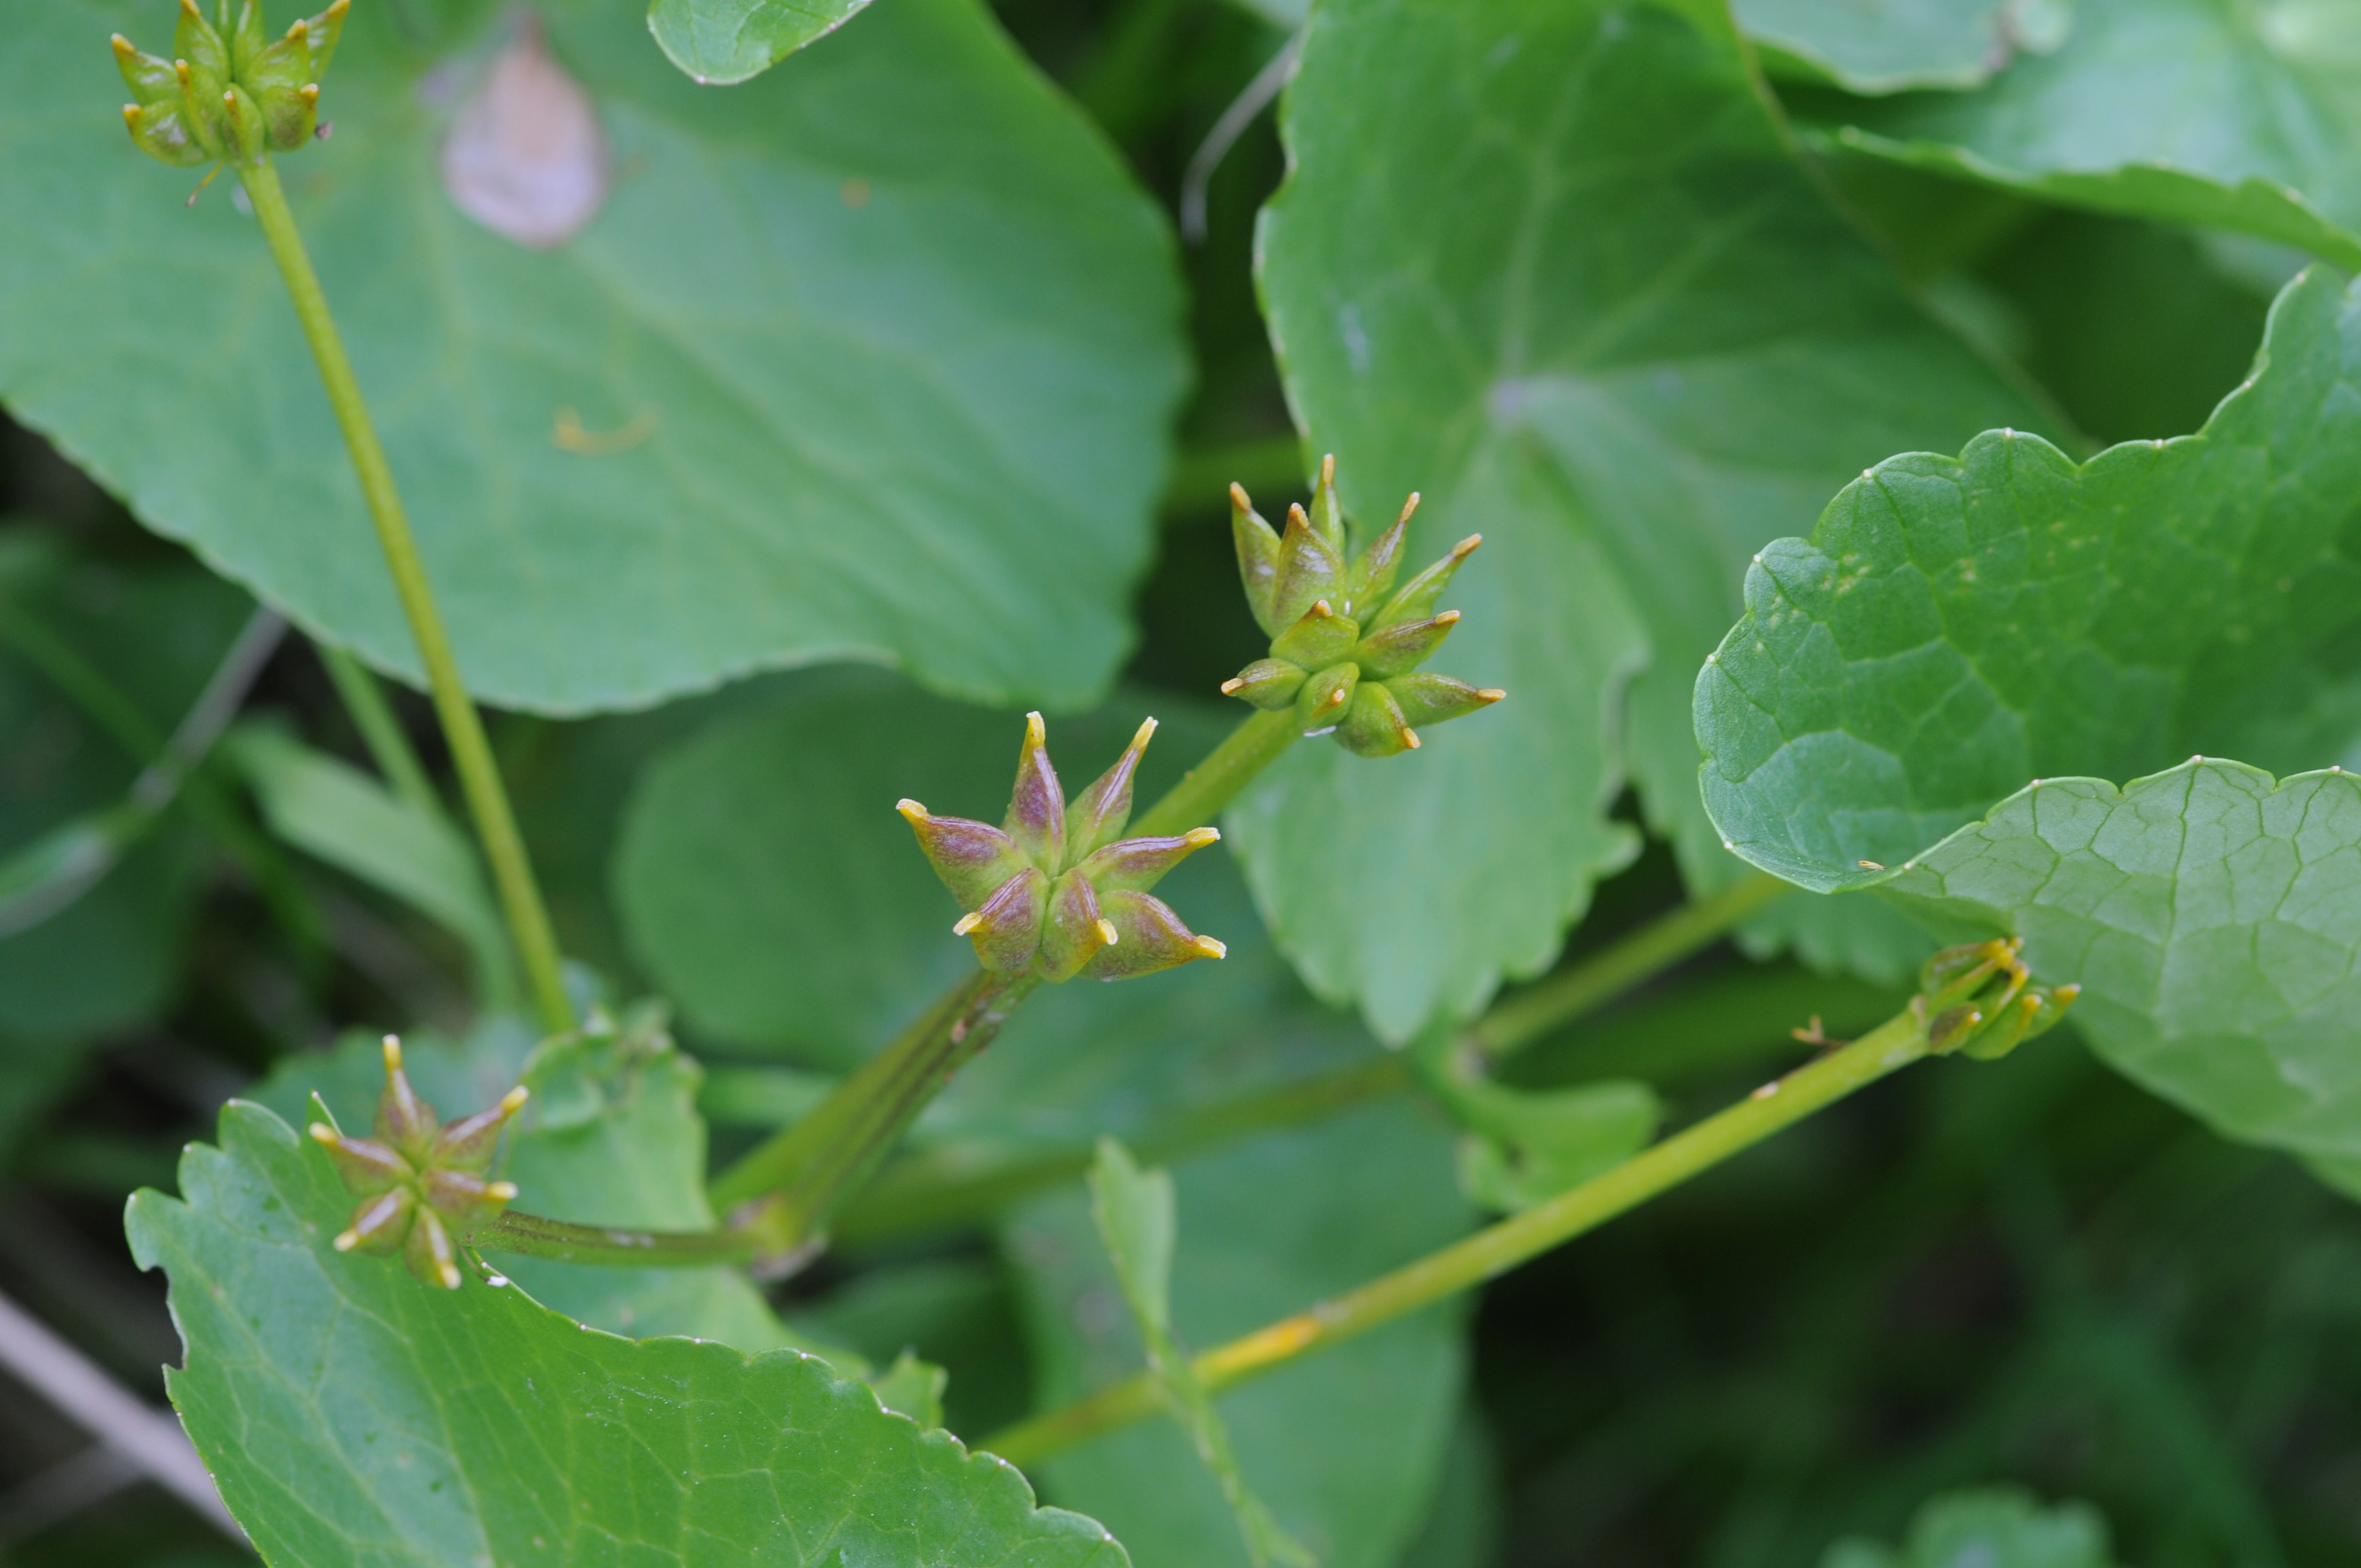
(2065, 994)
(1448, 617)
(1207, 948)
(1322, 610)
(189, 9)
(1230, 686)
(1466, 546)
(1199, 836)
(181, 69)
(1036, 733)
(299, 29)
(123, 47)
(131, 118)
(338, 9)
(513, 1101)
(506, 1191)
(1108, 935)
(392, 1046)
(1328, 468)
(1238, 497)
(1491, 694)
(1409, 738)
(912, 809)
(967, 923)
(449, 1274)
(1143, 735)
(309, 93)
(345, 1241)
(323, 1133)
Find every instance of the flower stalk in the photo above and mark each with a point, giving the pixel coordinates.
(1975, 1000)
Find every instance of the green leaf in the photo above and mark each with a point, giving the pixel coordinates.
(1889, 46)
(869, 360)
(2244, 117)
(327, 807)
(1554, 267)
(1133, 1210)
(1992, 1527)
(350, 1413)
(1955, 627)
(153, 635)
(719, 43)
(1346, 1448)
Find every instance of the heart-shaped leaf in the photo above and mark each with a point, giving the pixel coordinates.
(871, 359)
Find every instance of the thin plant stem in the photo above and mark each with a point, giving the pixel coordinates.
(932, 1192)
(809, 1169)
(1212, 785)
(365, 699)
(917, 1196)
(1515, 1022)
(532, 1236)
(1491, 1252)
(463, 728)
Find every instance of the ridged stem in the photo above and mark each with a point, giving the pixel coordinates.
(531, 1235)
(463, 729)
(1463, 1264)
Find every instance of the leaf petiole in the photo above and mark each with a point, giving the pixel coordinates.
(463, 728)
(1495, 1250)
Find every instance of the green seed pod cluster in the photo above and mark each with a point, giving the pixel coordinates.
(1055, 891)
(231, 91)
(1977, 1000)
(421, 1184)
(1343, 654)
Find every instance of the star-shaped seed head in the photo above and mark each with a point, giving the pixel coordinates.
(1976, 999)
(1346, 644)
(231, 91)
(421, 1184)
(1055, 890)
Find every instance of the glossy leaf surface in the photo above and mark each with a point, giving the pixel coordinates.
(351, 1414)
(2183, 111)
(1554, 267)
(846, 360)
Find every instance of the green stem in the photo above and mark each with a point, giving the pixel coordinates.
(1213, 783)
(938, 1189)
(944, 1186)
(815, 1165)
(463, 729)
(531, 1235)
(1894, 1044)
(381, 732)
(1515, 1022)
